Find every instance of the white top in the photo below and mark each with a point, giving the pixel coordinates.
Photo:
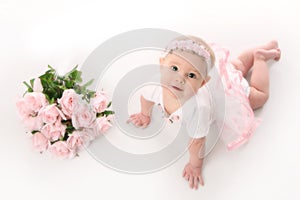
(196, 114)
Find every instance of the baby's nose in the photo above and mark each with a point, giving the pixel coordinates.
(180, 79)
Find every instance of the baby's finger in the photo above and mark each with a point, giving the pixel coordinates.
(191, 181)
(201, 180)
(187, 177)
(183, 173)
(131, 118)
(196, 182)
(145, 125)
(139, 124)
(135, 122)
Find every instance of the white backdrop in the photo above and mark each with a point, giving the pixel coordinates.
(63, 33)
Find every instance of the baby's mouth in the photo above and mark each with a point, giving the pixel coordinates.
(177, 88)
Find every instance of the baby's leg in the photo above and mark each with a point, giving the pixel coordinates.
(246, 59)
(259, 82)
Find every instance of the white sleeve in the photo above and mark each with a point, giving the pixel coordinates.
(198, 124)
(152, 93)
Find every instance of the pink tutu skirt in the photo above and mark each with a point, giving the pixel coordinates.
(239, 122)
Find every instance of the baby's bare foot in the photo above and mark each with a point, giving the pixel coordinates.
(279, 55)
(263, 54)
(273, 44)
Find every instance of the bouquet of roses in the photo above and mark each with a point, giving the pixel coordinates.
(61, 115)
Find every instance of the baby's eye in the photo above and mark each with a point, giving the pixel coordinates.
(174, 68)
(192, 75)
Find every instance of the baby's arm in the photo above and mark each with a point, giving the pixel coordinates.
(146, 106)
(143, 118)
(197, 150)
(192, 171)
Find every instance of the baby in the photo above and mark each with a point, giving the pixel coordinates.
(185, 70)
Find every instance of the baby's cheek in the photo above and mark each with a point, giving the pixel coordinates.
(165, 80)
(189, 91)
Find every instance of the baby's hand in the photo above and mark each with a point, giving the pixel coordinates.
(139, 120)
(193, 175)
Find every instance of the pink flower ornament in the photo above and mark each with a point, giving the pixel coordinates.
(34, 101)
(61, 149)
(33, 123)
(99, 102)
(40, 142)
(83, 117)
(54, 131)
(102, 125)
(69, 102)
(37, 85)
(191, 46)
(50, 114)
(23, 109)
(78, 139)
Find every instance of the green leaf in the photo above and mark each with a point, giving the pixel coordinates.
(69, 84)
(50, 71)
(70, 72)
(77, 89)
(52, 101)
(66, 136)
(54, 141)
(70, 129)
(109, 112)
(32, 82)
(29, 88)
(88, 83)
(25, 93)
(34, 131)
(89, 94)
(47, 76)
(62, 87)
(109, 104)
(51, 68)
(105, 113)
(77, 77)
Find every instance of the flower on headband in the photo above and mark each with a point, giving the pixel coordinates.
(190, 45)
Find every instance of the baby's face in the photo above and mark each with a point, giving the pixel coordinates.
(180, 77)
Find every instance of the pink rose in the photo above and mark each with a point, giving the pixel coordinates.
(50, 114)
(54, 131)
(79, 139)
(40, 142)
(69, 102)
(35, 101)
(83, 117)
(33, 123)
(99, 102)
(60, 149)
(37, 85)
(102, 124)
(89, 133)
(110, 117)
(23, 110)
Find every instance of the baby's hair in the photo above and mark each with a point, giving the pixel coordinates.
(206, 49)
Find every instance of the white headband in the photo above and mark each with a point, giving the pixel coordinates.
(190, 45)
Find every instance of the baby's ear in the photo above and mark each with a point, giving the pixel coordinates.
(161, 60)
(205, 80)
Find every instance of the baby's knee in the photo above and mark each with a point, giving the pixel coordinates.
(257, 98)
(239, 65)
